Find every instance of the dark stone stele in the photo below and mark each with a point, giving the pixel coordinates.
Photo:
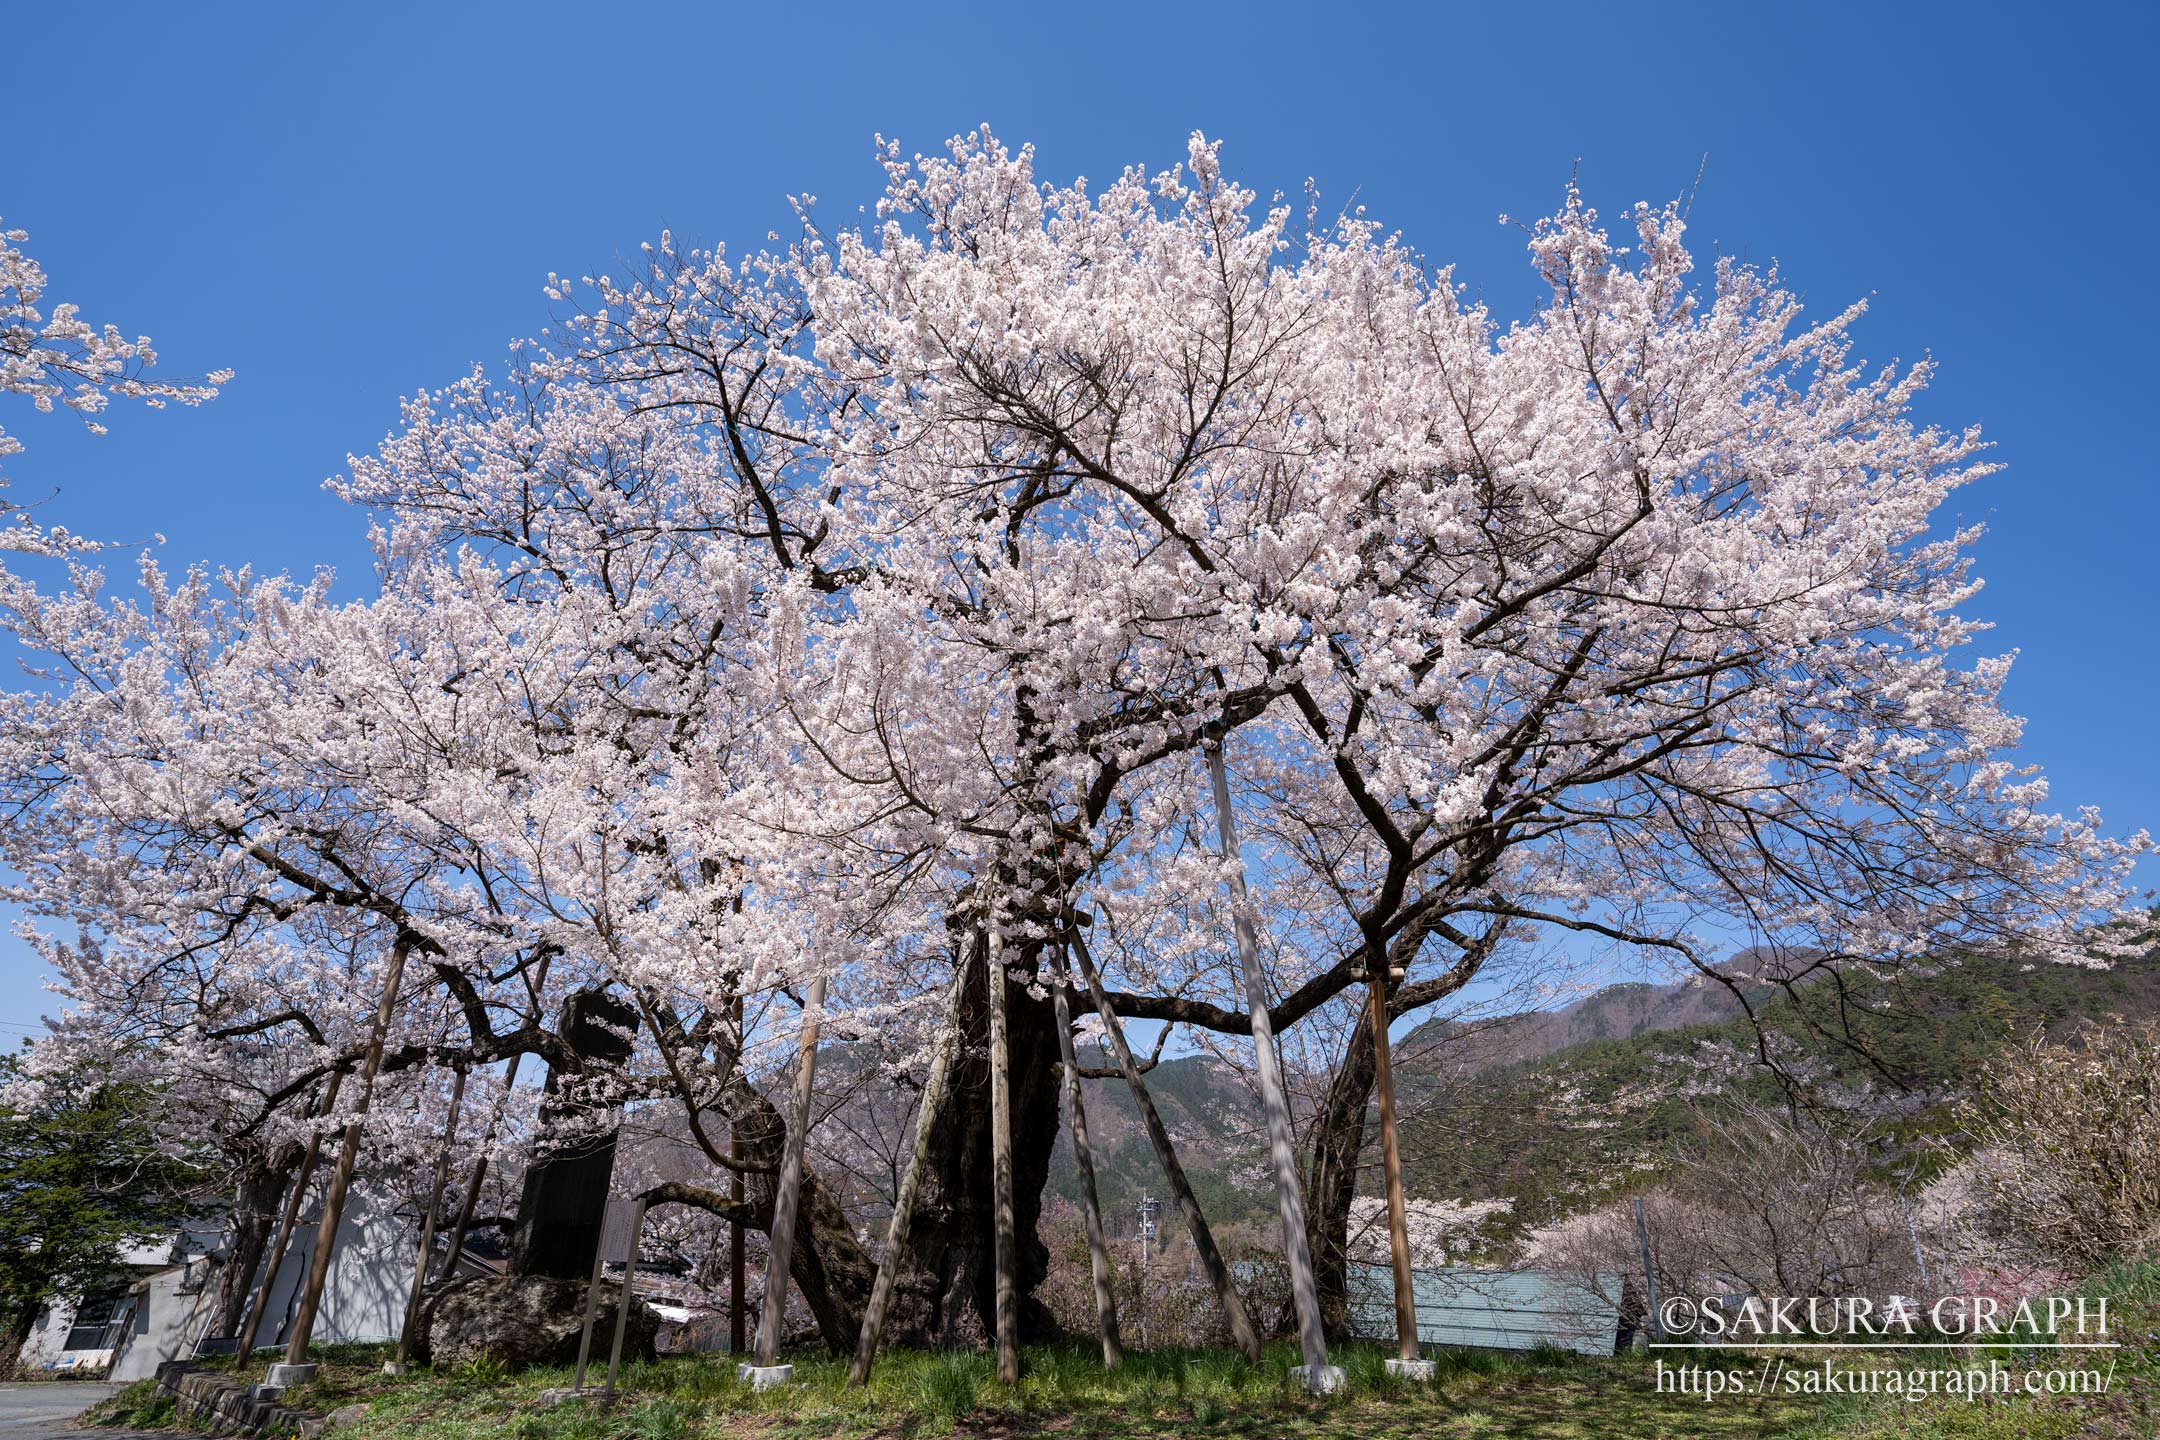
(520, 1321)
(565, 1199)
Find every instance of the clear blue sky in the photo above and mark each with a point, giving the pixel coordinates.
(345, 206)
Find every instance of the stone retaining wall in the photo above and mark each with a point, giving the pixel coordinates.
(224, 1405)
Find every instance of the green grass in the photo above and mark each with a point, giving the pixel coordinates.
(1211, 1395)
(2130, 1408)
(140, 1406)
(1063, 1391)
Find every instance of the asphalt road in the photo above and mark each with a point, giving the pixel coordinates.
(41, 1410)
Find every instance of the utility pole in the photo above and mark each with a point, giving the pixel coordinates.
(1150, 1207)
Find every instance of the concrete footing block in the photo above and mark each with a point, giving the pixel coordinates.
(1419, 1370)
(1318, 1379)
(563, 1394)
(765, 1377)
(285, 1377)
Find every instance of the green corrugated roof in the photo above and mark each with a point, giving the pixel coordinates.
(1494, 1309)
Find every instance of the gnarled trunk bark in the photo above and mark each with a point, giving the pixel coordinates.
(949, 1271)
(255, 1214)
(1338, 1135)
(17, 1334)
(952, 1261)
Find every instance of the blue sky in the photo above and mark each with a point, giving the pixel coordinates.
(347, 205)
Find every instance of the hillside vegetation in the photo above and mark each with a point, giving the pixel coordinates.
(1561, 1108)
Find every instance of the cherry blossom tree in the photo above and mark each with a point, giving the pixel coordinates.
(831, 618)
(1627, 619)
(52, 356)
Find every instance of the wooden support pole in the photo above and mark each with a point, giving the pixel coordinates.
(473, 1182)
(1304, 1294)
(622, 1302)
(903, 1212)
(592, 1309)
(1242, 1333)
(1106, 1326)
(782, 1237)
(1007, 1307)
(303, 1328)
(275, 1260)
(738, 1272)
(467, 1206)
(427, 1229)
(1398, 1210)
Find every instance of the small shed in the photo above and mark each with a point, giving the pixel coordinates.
(1492, 1309)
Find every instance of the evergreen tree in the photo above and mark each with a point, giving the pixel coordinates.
(82, 1177)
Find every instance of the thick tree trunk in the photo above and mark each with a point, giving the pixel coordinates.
(19, 1325)
(951, 1269)
(255, 1215)
(903, 1215)
(782, 1239)
(1338, 1131)
(1338, 1135)
(828, 1265)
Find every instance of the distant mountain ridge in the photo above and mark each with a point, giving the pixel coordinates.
(1482, 1101)
(1619, 1011)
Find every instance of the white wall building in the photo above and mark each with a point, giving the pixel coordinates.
(166, 1310)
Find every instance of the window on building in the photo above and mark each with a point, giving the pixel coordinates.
(98, 1323)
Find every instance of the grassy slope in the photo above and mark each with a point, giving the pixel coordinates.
(2130, 1408)
(1064, 1392)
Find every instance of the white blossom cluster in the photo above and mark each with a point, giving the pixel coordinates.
(794, 614)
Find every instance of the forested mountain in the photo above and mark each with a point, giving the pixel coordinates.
(1555, 1109)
